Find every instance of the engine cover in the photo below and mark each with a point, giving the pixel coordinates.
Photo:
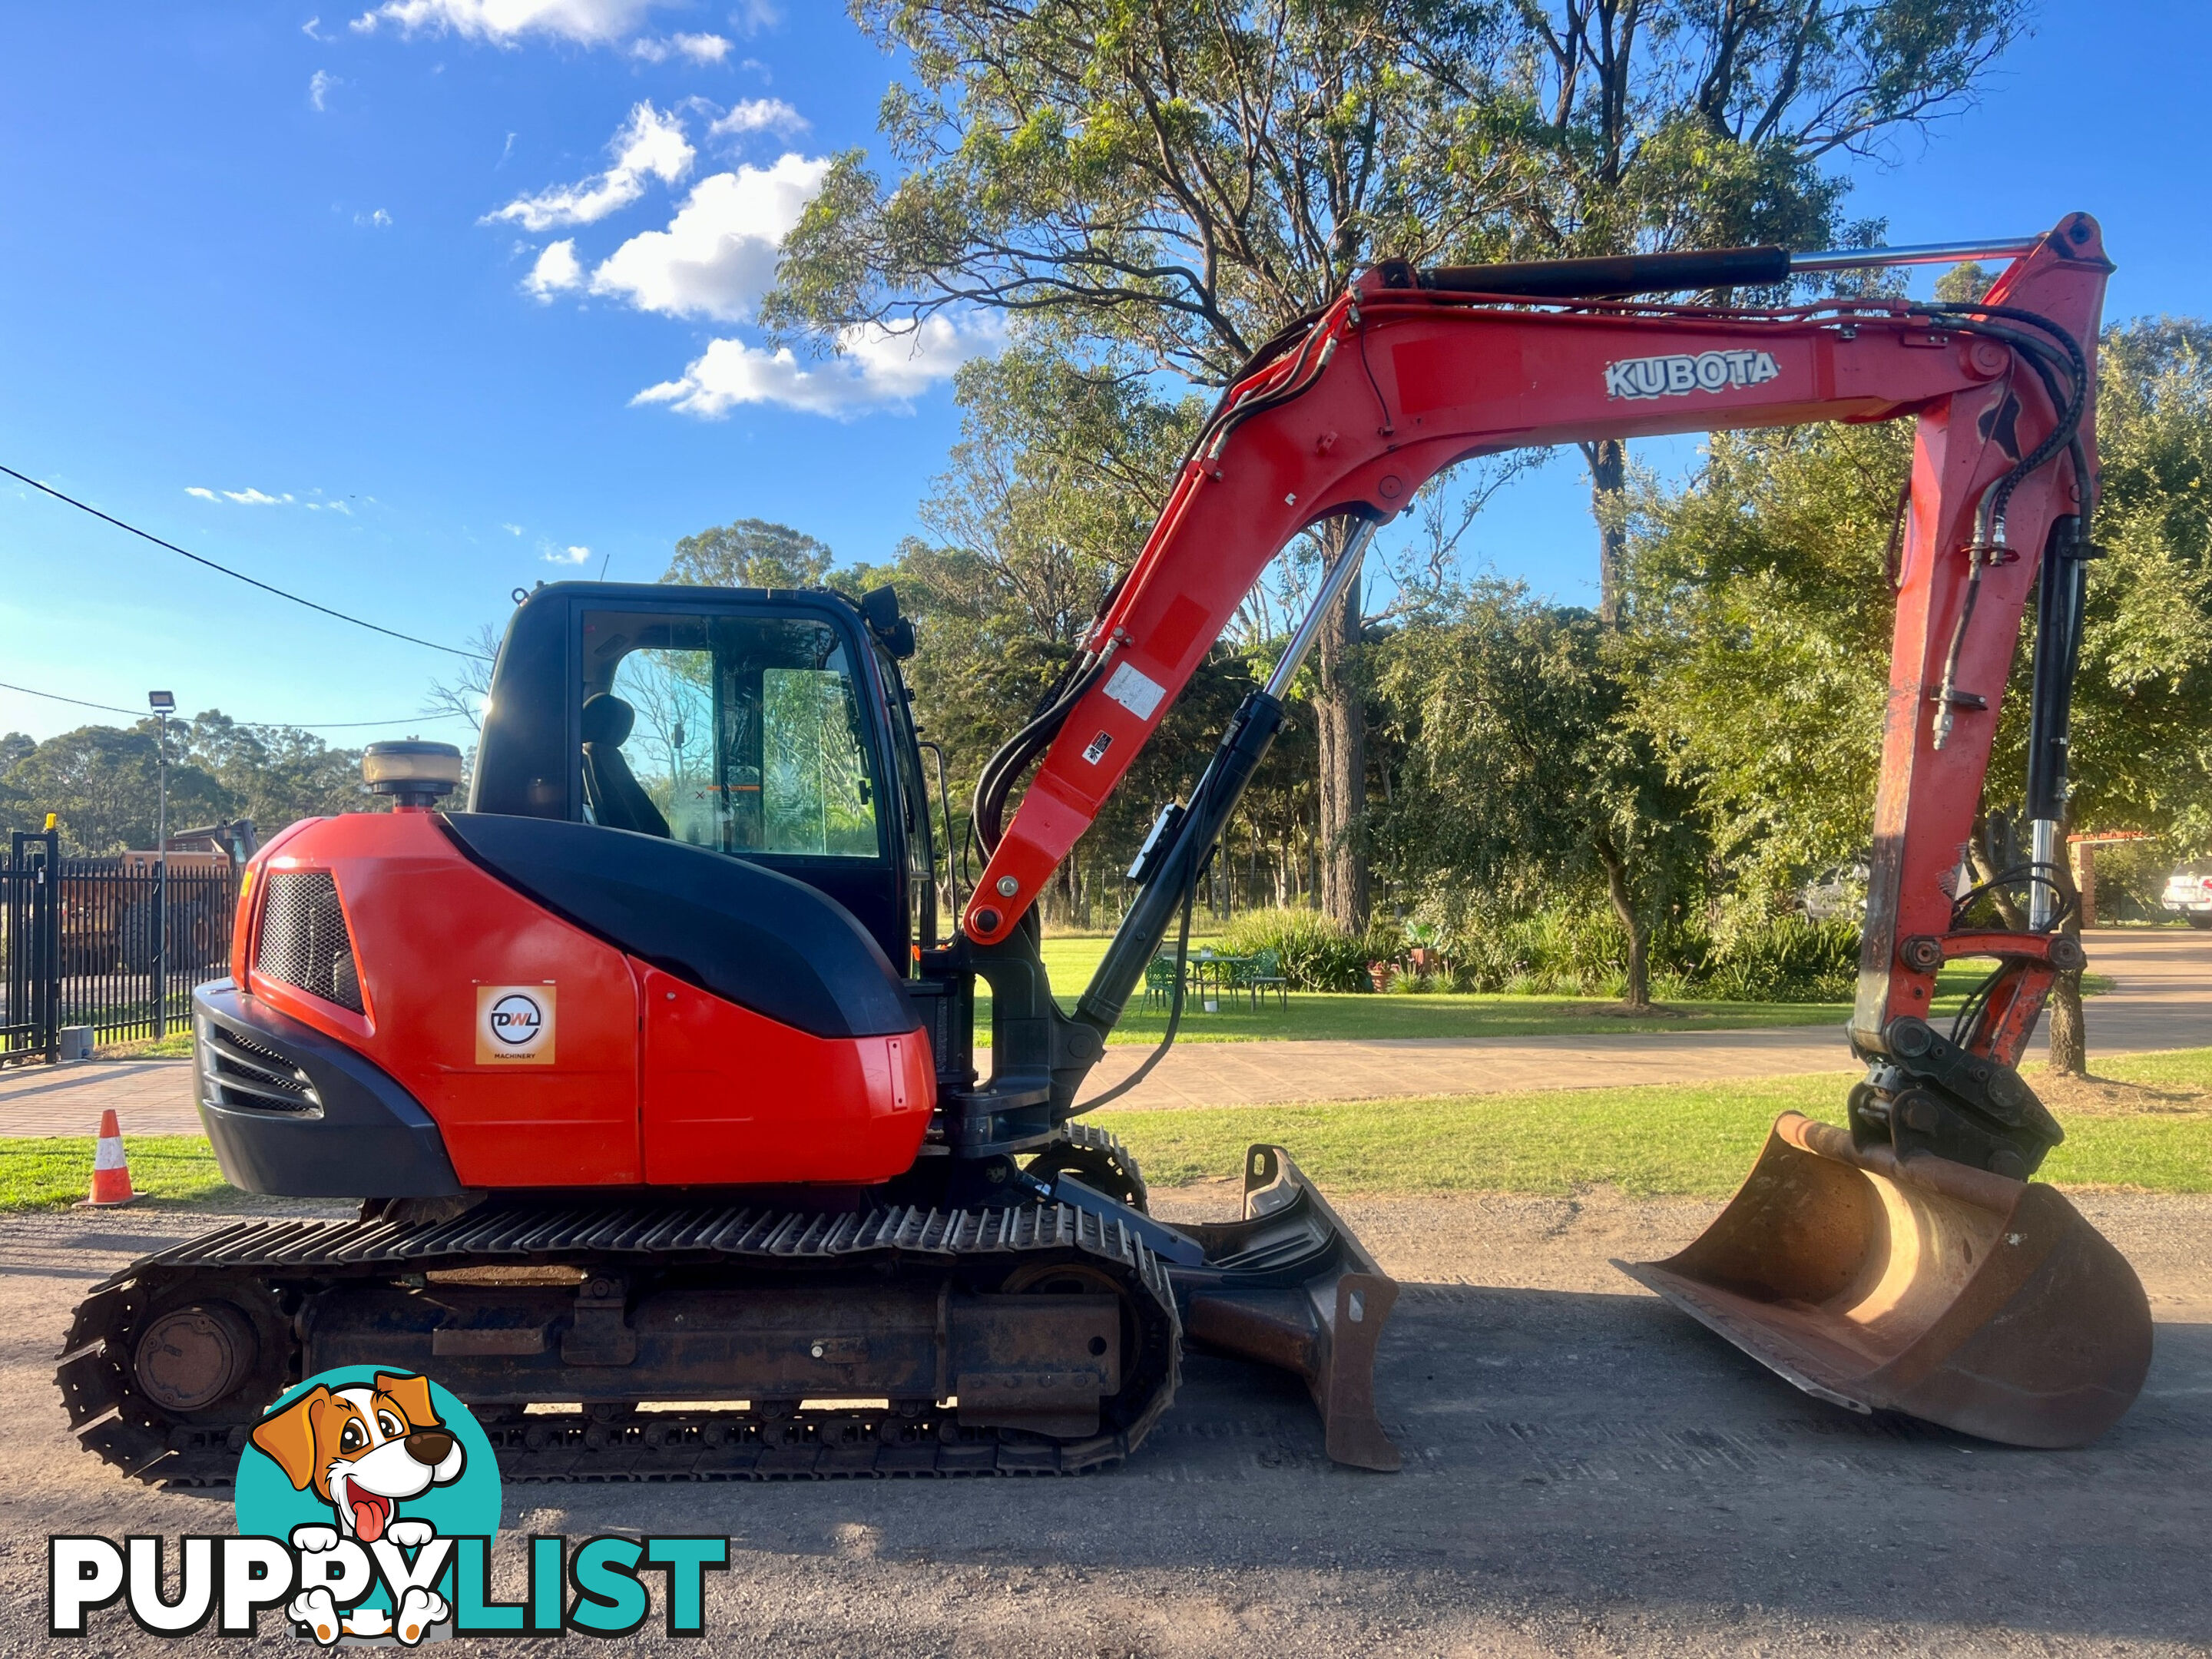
(545, 1046)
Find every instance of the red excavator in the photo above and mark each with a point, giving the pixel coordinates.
(659, 1081)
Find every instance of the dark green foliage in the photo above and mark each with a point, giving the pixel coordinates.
(1784, 958)
(102, 780)
(1521, 780)
(1563, 949)
(751, 553)
(1317, 954)
(1759, 627)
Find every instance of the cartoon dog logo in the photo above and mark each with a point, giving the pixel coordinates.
(364, 1451)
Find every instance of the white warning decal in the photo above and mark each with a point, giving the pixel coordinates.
(514, 1024)
(1137, 692)
(1679, 376)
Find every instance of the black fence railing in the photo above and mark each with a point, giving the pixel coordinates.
(30, 990)
(90, 942)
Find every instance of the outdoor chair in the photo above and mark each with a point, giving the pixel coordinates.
(1263, 974)
(1159, 980)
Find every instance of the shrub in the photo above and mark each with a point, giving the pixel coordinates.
(1578, 951)
(1785, 958)
(1316, 953)
(1559, 951)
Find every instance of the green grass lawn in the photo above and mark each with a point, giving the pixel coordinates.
(1313, 1016)
(1687, 1141)
(1697, 1142)
(167, 1171)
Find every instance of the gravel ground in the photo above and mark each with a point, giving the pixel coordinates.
(1587, 1472)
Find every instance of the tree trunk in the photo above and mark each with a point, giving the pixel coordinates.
(2070, 1034)
(1342, 717)
(1608, 471)
(2069, 1055)
(1637, 994)
(1981, 860)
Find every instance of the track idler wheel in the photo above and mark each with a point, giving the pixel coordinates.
(191, 1357)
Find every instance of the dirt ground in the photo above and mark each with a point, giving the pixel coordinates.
(1587, 1472)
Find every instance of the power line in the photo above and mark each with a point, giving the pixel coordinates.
(237, 575)
(301, 726)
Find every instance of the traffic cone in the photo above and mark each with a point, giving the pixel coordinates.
(111, 1174)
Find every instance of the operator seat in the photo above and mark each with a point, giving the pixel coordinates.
(616, 798)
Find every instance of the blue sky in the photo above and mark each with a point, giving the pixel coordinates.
(367, 312)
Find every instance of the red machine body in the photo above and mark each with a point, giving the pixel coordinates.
(650, 1080)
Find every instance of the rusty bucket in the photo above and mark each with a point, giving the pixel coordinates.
(1918, 1285)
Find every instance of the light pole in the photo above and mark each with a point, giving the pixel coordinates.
(164, 704)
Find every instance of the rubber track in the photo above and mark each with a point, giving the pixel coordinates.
(112, 1418)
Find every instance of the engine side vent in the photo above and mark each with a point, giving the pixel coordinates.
(237, 1072)
(304, 941)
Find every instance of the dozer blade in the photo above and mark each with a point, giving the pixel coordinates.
(1918, 1285)
(1290, 1287)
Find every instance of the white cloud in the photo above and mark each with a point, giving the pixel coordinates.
(751, 16)
(310, 27)
(252, 497)
(718, 255)
(318, 87)
(379, 219)
(874, 370)
(699, 48)
(565, 555)
(650, 145)
(512, 529)
(758, 115)
(503, 22)
(557, 270)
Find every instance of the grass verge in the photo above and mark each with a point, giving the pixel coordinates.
(2144, 1123)
(167, 1171)
(1320, 1016)
(2145, 1126)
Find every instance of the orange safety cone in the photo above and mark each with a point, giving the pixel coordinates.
(111, 1173)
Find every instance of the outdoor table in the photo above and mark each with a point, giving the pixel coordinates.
(1215, 966)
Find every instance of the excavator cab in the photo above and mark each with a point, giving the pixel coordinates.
(767, 726)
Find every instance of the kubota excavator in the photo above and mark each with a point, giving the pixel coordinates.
(661, 1093)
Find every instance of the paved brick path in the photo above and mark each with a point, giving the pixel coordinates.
(2162, 999)
(150, 1097)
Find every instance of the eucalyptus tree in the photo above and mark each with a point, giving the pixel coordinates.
(1643, 126)
(1167, 185)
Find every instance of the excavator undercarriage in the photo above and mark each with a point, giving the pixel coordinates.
(650, 1341)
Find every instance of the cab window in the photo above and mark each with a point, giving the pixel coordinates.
(744, 734)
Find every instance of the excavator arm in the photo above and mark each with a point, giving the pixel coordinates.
(1906, 1263)
(1411, 371)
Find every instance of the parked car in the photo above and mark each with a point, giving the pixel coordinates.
(2189, 893)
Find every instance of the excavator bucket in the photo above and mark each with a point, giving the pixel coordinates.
(1918, 1285)
(1290, 1287)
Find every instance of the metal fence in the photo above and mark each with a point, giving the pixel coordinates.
(30, 1027)
(90, 942)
